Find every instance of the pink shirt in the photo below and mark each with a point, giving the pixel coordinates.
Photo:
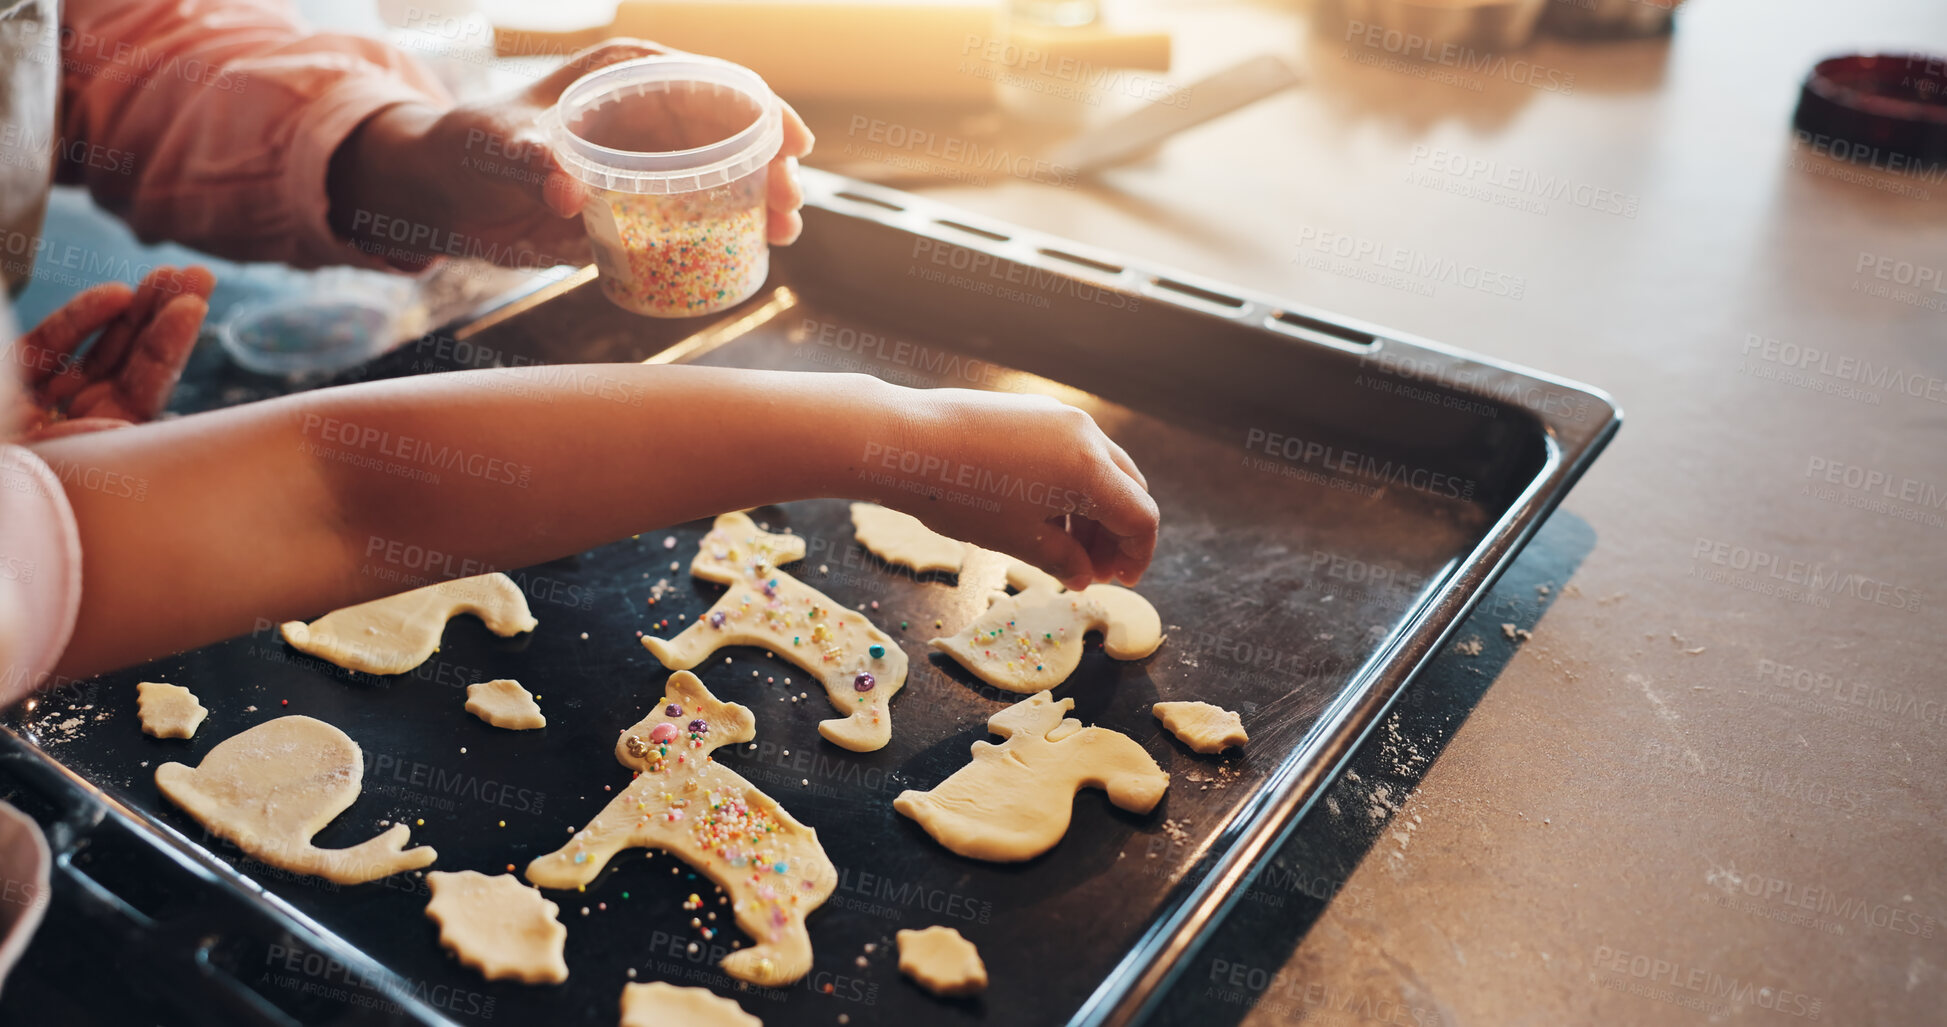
(209, 122)
(212, 122)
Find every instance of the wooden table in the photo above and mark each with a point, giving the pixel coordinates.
(1688, 791)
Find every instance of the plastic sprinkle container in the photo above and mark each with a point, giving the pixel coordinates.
(676, 150)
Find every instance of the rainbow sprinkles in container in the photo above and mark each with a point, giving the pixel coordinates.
(676, 151)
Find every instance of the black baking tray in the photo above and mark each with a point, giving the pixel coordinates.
(1335, 498)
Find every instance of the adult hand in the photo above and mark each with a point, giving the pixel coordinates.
(146, 336)
(413, 183)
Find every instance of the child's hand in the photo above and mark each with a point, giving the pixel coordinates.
(412, 183)
(1026, 475)
(146, 337)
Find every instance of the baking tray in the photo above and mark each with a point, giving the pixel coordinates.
(1335, 498)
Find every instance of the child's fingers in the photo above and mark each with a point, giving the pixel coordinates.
(113, 346)
(157, 360)
(96, 399)
(1128, 515)
(77, 426)
(1054, 550)
(46, 350)
(1121, 458)
(196, 280)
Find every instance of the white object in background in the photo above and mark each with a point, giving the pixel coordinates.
(1206, 99)
(451, 37)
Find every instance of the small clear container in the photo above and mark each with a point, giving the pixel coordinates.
(676, 150)
(303, 336)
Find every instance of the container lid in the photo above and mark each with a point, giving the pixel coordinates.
(665, 171)
(306, 335)
(1896, 102)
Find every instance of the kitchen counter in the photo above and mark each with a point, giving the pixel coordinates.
(1708, 786)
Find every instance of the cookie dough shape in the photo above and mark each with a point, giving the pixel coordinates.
(666, 1005)
(1032, 640)
(769, 608)
(504, 703)
(942, 961)
(1204, 727)
(685, 803)
(168, 711)
(395, 634)
(498, 926)
(1014, 801)
(901, 539)
(269, 789)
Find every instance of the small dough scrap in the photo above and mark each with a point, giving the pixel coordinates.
(901, 539)
(942, 961)
(770, 609)
(1014, 801)
(1204, 727)
(168, 711)
(498, 926)
(703, 813)
(1032, 640)
(269, 789)
(504, 703)
(667, 1005)
(395, 634)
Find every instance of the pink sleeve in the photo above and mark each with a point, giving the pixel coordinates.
(40, 571)
(212, 122)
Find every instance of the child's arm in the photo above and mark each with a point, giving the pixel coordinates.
(193, 529)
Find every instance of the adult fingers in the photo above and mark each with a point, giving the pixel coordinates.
(798, 139)
(782, 227)
(47, 349)
(784, 194)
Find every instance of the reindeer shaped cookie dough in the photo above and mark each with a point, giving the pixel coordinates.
(1013, 802)
(1032, 640)
(685, 803)
(861, 667)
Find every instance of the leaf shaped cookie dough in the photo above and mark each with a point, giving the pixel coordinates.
(498, 926)
(942, 961)
(395, 634)
(861, 667)
(1014, 801)
(1032, 640)
(504, 703)
(272, 787)
(168, 711)
(901, 539)
(705, 814)
(1204, 727)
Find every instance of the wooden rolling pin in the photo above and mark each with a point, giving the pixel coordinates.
(941, 51)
